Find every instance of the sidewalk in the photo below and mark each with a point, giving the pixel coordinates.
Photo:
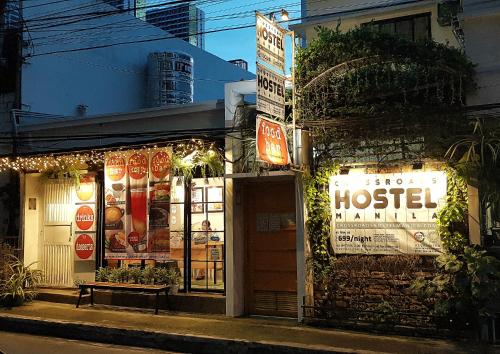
(209, 334)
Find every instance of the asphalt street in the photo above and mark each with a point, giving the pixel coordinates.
(16, 343)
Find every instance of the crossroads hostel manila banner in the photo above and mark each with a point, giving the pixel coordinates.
(387, 213)
(137, 204)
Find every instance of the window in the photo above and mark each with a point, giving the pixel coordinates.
(414, 28)
(207, 234)
(177, 224)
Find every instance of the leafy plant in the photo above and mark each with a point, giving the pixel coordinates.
(207, 160)
(452, 221)
(476, 156)
(181, 166)
(118, 275)
(317, 202)
(20, 284)
(79, 282)
(64, 170)
(167, 276)
(102, 274)
(212, 161)
(465, 288)
(368, 94)
(148, 275)
(135, 275)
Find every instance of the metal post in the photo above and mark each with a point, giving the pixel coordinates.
(294, 114)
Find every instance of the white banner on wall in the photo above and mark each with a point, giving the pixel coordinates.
(270, 92)
(387, 213)
(270, 42)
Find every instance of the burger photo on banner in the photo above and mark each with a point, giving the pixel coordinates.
(115, 196)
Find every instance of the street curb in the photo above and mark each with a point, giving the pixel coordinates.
(185, 343)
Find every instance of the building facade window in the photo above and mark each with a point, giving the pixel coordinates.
(414, 28)
(206, 244)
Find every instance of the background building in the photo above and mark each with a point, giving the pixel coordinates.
(99, 63)
(240, 63)
(185, 21)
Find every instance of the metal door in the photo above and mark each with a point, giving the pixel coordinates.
(57, 233)
(271, 261)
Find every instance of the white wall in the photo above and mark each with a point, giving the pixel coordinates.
(111, 79)
(32, 220)
(352, 13)
(481, 26)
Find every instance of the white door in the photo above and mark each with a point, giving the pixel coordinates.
(57, 233)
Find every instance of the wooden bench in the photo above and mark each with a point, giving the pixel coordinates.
(156, 289)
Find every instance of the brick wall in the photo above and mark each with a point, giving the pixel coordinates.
(375, 289)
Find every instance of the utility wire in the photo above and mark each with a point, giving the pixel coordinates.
(227, 28)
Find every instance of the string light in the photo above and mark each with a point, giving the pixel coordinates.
(82, 159)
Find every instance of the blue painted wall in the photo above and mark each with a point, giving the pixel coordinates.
(106, 80)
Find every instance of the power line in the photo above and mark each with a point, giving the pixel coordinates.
(221, 29)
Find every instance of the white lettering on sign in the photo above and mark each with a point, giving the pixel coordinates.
(387, 213)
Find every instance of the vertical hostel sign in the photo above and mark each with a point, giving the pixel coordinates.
(270, 42)
(271, 142)
(270, 92)
(387, 213)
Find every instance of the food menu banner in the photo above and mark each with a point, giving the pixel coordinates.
(387, 213)
(159, 199)
(85, 218)
(137, 198)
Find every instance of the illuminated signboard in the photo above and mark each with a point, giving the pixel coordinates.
(387, 213)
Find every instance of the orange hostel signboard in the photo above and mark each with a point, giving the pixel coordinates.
(271, 142)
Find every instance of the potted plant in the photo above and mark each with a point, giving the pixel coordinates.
(168, 276)
(20, 283)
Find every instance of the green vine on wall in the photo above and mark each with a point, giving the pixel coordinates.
(318, 222)
(468, 279)
(452, 218)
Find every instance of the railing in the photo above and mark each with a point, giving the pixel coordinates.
(397, 322)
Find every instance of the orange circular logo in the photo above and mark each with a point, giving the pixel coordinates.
(137, 166)
(115, 168)
(160, 164)
(84, 246)
(84, 217)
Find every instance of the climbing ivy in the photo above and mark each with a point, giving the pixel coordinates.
(452, 218)
(318, 222)
(368, 93)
